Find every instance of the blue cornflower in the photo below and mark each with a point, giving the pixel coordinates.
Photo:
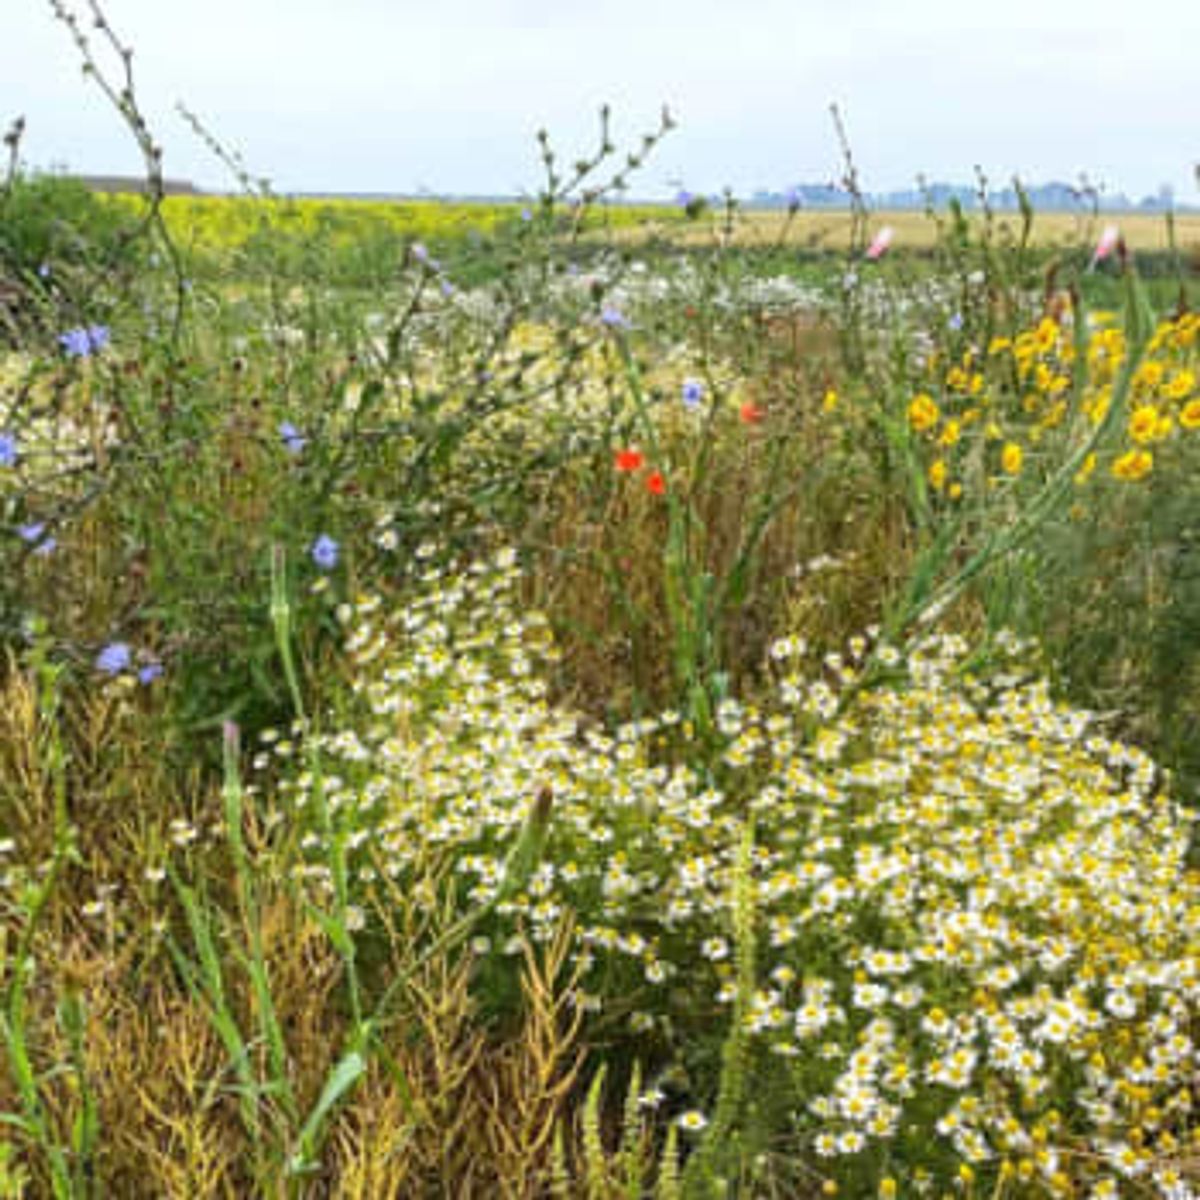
(447, 288)
(526, 215)
(8, 449)
(294, 441)
(151, 671)
(99, 337)
(955, 322)
(325, 552)
(614, 317)
(32, 533)
(693, 392)
(76, 343)
(419, 252)
(114, 658)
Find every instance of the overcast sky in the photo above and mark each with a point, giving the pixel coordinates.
(399, 95)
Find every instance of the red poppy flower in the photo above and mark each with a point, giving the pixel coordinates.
(628, 460)
(656, 484)
(750, 413)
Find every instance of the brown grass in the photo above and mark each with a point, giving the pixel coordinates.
(914, 230)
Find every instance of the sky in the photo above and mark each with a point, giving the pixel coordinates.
(401, 96)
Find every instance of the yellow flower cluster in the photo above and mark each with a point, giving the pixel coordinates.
(214, 224)
(1030, 399)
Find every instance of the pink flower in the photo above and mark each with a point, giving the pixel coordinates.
(1108, 242)
(882, 240)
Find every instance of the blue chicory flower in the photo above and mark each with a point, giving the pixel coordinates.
(613, 317)
(325, 552)
(693, 392)
(32, 533)
(76, 343)
(8, 449)
(82, 343)
(293, 440)
(148, 673)
(114, 658)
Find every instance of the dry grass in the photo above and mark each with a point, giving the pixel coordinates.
(831, 230)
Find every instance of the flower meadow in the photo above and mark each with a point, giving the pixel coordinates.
(578, 701)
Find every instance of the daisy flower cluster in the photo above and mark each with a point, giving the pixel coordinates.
(978, 945)
(551, 390)
(45, 440)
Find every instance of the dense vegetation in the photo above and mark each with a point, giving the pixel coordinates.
(520, 710)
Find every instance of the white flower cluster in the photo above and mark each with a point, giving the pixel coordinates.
(972, 905)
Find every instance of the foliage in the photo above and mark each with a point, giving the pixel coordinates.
(497, 700)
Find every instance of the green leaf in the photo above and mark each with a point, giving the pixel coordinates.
(343, 1077)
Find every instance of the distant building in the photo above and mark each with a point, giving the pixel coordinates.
(135, 184)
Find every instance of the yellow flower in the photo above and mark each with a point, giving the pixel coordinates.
(1144, 424)
(950, 433)
(1011, 458)
(831, 400)
(923, 413)
(1097, 406)
(1149, 375)
(1186, 329)
(1054, 415)
(937, 474)
(956, 379)
(1085, 471)
(1182, 384)
(1046, 335)
(999, 344)
(1134, 465)
(1189, 415)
